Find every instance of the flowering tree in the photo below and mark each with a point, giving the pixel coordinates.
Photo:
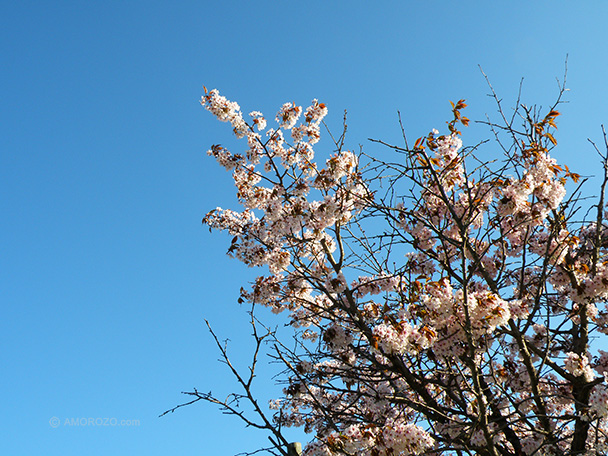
(441, 303)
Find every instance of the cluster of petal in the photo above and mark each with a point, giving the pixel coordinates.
(458, 298)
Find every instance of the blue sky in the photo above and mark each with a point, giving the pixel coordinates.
(106, 272)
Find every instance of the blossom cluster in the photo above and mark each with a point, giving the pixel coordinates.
(578, 365)
(437, 307)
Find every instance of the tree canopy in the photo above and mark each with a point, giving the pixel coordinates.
(441, 302)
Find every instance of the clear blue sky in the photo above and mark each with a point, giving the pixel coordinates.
(106, 272)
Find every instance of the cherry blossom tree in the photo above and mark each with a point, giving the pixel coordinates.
(441, 303)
